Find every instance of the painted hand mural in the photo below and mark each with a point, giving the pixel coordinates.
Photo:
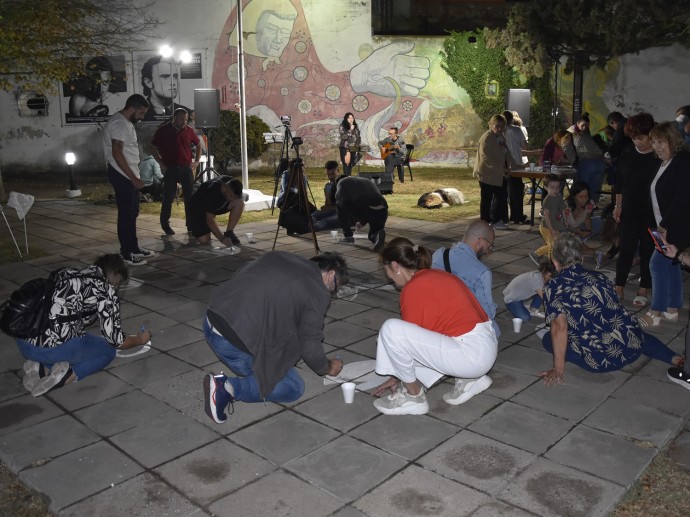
(316, 77)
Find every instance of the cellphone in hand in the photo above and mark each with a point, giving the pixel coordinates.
(658, 242)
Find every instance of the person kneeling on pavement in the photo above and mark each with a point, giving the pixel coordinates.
(358, 200)
(263, 320)
(443, 331)
(65, 352)
(214, 197)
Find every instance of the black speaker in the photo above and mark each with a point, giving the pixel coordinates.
(206, 107)
(383, 181)
(518, 99)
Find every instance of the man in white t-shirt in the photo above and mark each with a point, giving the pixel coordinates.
(122, 155)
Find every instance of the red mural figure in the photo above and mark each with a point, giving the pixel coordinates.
(285, 76)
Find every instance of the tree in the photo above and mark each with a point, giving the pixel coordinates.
(225, 140)
(587, 32)
(39, 39)
(481, 71)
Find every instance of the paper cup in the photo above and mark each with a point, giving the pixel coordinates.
(334, 235)
(250, 237)
(531, 166)
(348, 391)
(517, 324)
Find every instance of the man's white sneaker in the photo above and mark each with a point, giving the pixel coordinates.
(464, 390)
(402, 403)
(535, 313)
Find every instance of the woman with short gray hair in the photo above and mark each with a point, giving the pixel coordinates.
(589, 326)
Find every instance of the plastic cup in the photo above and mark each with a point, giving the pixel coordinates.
(334, 235)
(250, 237)
(531, 166)
(517, 324)
(348, 391)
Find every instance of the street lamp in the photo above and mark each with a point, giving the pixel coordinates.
(72, 191)
(167, 53)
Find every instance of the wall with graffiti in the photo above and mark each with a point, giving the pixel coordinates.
(315, 61)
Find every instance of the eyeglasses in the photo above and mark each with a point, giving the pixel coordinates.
(491, 244)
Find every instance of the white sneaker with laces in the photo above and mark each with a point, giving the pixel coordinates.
(537, 313)
(402, 403)
(464, 390)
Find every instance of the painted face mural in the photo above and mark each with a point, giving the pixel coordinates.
(316, 61)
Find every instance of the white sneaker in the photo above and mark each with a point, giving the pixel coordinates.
(537, 313)
(465, 390)
(402, 403)
(31, 375)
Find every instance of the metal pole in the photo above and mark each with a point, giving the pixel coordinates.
(243, 102)
(172, 95)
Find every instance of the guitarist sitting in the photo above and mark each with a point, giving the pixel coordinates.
(393, 154)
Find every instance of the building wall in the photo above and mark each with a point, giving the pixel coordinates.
(315, 61)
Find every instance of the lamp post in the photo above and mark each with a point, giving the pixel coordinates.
(72, 191)
(167, 52)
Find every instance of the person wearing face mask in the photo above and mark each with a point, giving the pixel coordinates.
(442, 330)
(464, 261)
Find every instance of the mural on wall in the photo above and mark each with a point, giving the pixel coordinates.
(164, 81)
(99, 92)
(316, 61)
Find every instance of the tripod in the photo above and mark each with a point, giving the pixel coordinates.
(208, 172)
(296, 183)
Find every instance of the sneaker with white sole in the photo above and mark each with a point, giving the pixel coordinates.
(402, 403)
(216, 397)
(32, 374)
(145, 254)
(500, 225)
(464, 390)
(679, 376)
(133, 260)
(56, 379)
(535, 313)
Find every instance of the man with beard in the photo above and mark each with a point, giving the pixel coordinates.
(122, 155)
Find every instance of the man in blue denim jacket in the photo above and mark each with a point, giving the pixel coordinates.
(464, 258)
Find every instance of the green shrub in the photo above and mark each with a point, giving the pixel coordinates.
(225, 140)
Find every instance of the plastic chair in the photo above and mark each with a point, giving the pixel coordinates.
(406, 161)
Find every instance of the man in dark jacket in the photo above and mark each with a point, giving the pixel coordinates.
(265, 319)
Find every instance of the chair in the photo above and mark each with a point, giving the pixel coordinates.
(406, 161)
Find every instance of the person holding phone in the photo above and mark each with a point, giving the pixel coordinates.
(670, 191)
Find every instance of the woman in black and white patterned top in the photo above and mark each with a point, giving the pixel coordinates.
(349, 136)
(65, 352)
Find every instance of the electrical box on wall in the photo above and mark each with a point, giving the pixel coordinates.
(32, 104)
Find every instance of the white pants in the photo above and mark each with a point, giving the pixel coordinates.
(410, 352)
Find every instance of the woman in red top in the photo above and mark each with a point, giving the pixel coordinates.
(443, 331)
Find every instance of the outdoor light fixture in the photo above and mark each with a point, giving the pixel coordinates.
(167, 52)
(72, 191)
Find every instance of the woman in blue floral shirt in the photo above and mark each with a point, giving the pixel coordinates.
(589, 325)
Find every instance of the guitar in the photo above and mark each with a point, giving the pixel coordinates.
(388, 149)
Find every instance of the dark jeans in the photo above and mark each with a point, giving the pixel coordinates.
(174, 175)
(351, 213)
(127, 200)
(347, 169)
(288, 389)
(325, 220)
(488, 211)
(516, 199)
(651, 347)
(393, 162)
(633, 232)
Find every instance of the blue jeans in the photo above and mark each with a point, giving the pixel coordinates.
(288, 389)
(667, 283)
(518, 310)
(591, 171)
(127, 200)
(86, 355)
(651, 347)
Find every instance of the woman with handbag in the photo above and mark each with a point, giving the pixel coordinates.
(64, 352)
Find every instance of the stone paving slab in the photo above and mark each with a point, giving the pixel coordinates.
(519, 448)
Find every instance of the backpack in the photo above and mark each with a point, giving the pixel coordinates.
(27, 313)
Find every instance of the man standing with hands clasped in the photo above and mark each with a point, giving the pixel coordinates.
(122, 155)
(174, 141)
